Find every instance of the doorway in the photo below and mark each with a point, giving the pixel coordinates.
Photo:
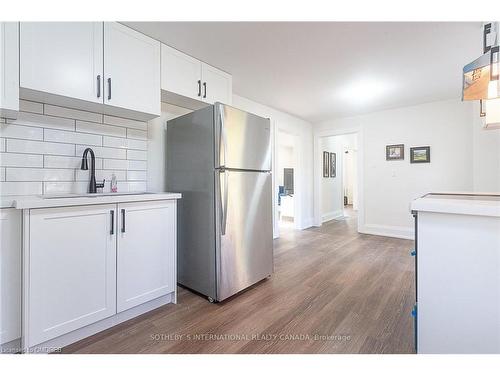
(286, 177)
(337, 178)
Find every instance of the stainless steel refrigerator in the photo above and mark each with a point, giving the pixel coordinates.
(219, 158)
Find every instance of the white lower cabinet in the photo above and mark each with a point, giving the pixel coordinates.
(10, 276)
(84, 264)
(146, 252)
(72, 272)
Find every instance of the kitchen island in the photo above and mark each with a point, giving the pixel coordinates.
(458, 273)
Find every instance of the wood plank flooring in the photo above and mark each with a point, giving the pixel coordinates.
(333, 291)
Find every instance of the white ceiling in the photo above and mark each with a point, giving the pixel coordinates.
(318, 71)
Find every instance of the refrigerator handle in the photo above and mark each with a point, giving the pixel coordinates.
(223, 202)
(223, 135)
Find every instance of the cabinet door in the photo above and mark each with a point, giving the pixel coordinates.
(10, 275)
(132, 69)
(217, 85)
(72, 269)
(9, 69)
(180, 73)
(62, 58)
(146, 252)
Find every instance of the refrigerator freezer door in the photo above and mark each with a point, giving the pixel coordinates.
(244, 227)
(243, 140)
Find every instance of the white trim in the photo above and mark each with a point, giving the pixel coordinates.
(332, 215)
(308, 223)
(406, 233)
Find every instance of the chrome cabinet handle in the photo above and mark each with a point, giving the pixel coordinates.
(204, 89)
(112, 213)
(123, 220)
(109, 88)
(199, 87)
(99, 86)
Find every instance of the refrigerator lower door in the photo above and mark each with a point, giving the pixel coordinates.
(244, 230)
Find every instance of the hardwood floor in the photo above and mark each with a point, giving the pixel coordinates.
(333, 291)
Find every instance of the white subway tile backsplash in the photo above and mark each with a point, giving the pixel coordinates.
(70, 113)
(37, 147)
(92, 127)
(119, 121)
(137, 186)
(42, 121)
(137, 165)
(137, 144)
(71, 137)
(115, 142)
(20, 188)
(8, 159)
(137, 155)
(38, 174)
(10, 130)
(65, 187)
(100, 174)
(115, 164)
(41, 151)
(137, 134)
(33, 107)
(136, 175)
(71, 162)
(103, 152)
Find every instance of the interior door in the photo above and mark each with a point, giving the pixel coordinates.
(132, 69)
(243, 140)
(146, 252)
(245, 230)
(62, 58)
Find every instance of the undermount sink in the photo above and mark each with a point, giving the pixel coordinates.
(94, 195)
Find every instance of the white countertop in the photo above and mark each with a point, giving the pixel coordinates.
(62, 200)
(479, 204)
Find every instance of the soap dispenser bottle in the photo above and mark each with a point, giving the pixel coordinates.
(114, 186)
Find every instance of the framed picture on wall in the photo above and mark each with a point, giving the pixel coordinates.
(395, 152)
(333, 164)
(326, 164)
(420, 154)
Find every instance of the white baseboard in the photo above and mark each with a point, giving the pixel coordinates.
(332, 215)
(308, 223)
(406, 233)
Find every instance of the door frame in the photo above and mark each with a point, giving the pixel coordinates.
(318, 136)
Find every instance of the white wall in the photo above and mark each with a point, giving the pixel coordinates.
(331, 188)
(389, 186)
(157, 137)
(486, 155)
(304, 167)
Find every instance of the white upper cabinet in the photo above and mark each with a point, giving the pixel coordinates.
(9, 69)
(62, 58)
(180, 73)
(188, 78)
(217, 85)
(132, 69)
(146, 252)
